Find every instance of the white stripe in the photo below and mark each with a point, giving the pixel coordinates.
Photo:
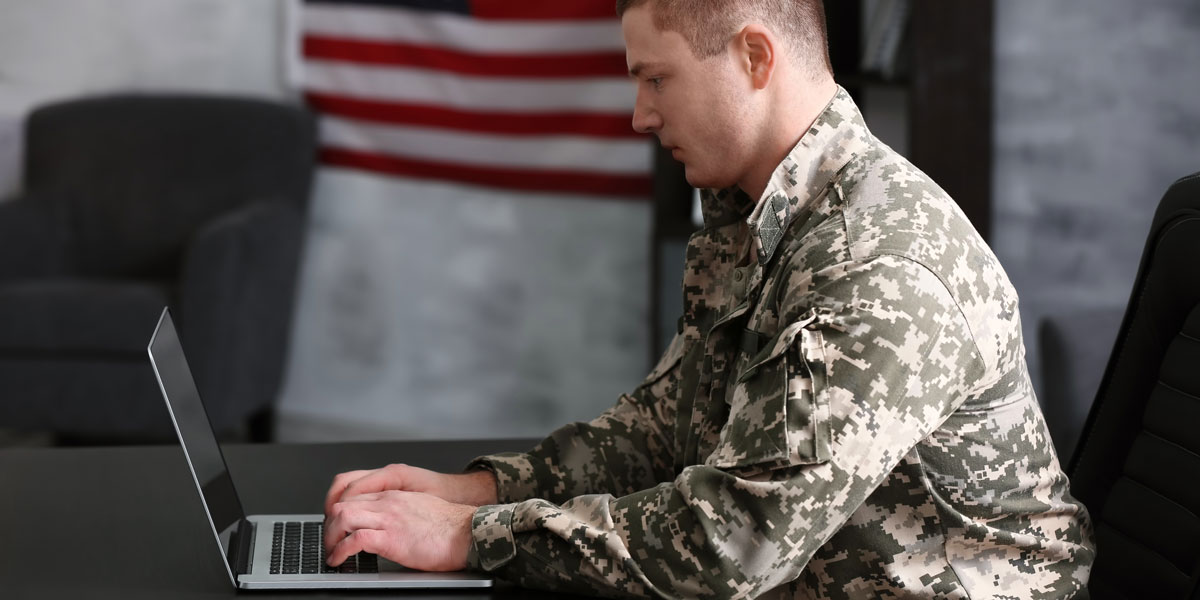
(623, 157)
(403, 84)
(462, 32)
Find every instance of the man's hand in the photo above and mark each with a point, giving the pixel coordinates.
(416, 530)
(473, 489)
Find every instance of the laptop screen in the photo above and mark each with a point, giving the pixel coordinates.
(196, 434)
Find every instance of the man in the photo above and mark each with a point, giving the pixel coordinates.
(846, 411)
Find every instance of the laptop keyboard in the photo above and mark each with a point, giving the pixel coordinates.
(297, 548)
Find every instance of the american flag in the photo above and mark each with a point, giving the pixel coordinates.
(514, 94)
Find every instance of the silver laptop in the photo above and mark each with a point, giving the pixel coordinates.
(265, 551)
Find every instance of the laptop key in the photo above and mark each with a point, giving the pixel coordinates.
(368, 563)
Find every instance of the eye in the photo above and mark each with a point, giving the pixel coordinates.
(656, 82)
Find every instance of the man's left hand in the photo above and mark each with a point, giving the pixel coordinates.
(417, 530)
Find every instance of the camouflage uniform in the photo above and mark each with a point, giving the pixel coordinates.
(845, 413)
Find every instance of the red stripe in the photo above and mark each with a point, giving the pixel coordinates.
(540, 10)
(593, 64)
(501, 123)
(542, 180)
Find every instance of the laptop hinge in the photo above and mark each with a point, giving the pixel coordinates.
(241, 548)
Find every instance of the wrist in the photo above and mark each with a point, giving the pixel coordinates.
(466, 537)
(480, 488)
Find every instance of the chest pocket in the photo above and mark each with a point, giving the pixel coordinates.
(779, 410)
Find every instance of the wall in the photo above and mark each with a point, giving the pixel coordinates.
(437, 310)
(1096, 114)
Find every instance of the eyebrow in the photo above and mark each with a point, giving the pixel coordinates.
(637, 68)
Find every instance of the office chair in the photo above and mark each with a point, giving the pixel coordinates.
(1137, 467)
(131, 203)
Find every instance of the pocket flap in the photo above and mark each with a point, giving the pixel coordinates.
(776, 346)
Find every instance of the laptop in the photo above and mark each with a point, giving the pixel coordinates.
(265, 551)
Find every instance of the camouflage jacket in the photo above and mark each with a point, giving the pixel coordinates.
(845, 413)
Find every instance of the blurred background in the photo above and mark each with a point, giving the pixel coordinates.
(410, 219)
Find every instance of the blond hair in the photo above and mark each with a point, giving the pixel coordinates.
(708, 25)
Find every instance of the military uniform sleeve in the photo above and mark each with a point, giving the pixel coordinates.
(627, 448)
(868, 364)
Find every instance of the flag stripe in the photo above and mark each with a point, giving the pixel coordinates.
(459, 32)
(455, 6)
(635, 186)
(599, 64)
(491, 122)
(420, 86)
(565, 153)
(522, 10)
(538, 10)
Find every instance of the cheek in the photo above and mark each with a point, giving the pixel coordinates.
(725, 139)
(720, 118)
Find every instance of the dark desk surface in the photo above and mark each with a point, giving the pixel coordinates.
(128, 523)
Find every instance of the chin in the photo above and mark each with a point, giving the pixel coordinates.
(701, 180)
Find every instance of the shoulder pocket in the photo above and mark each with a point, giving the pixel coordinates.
(779, 412)
(657, 382)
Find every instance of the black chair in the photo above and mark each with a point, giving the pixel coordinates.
(1137, 468)
(131, 203)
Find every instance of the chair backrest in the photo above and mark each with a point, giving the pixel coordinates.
(136, 175)
(1137, 467)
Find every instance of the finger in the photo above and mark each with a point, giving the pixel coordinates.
(340, 481)
(349, 517)
(362, 540)
(372, 482)
(371, 497)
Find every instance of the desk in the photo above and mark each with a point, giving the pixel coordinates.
(127, 522)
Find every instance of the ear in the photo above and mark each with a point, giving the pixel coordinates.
(757, 53)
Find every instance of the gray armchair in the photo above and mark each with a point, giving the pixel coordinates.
(131, 203)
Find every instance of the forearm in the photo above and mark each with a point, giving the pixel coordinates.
(618, 453)
(708, 534)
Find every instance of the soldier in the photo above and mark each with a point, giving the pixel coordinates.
(845, 411)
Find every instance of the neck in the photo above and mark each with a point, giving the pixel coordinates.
(796, 112)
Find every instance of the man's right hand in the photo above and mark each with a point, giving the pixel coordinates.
(475, 489)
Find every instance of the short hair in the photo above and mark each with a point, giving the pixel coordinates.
(708, 25)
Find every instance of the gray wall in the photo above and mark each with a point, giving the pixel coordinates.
(430, 309)
(1097, 112)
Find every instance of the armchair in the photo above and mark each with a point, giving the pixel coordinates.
(130, 203)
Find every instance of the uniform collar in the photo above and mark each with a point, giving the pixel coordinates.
(802, 176)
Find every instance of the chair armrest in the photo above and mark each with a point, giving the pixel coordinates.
(236, 297)
(31, 240)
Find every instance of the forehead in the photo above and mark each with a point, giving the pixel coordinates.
(645, 43)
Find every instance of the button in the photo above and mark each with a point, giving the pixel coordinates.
(738, 274)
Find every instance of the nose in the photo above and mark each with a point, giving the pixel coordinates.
(645, 118)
